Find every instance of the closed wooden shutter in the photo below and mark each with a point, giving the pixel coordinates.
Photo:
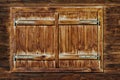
(56, 39)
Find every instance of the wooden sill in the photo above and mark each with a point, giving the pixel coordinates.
(56, 70)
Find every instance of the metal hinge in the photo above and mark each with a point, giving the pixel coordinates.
(90, 57)
(51, 57)
(34, 57)
(90, 21)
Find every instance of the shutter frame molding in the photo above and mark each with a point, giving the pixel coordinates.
(54, 55)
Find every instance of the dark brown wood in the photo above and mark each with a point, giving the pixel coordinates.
(23, 69)
(57, 42)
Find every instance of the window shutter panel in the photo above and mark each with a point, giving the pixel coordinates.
(67, 39)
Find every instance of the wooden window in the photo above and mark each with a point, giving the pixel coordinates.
(56, 39)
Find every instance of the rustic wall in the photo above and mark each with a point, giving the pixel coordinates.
(111, 41)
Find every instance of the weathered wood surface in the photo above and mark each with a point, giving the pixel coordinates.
(35, 40)
(36, 2)
(82, 39)
(111, 39)
(111, 47)
(78, 39)
(40, 40)
(52, 2)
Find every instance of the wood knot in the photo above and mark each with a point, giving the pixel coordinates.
(43, 56)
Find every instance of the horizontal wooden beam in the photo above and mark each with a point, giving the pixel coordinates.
(24, 69)
(57, 8)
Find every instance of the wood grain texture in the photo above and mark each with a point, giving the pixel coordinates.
(43, 36)
(34, 40)
(37, 2)
(111, 39)
(80, 39)
(27, 37)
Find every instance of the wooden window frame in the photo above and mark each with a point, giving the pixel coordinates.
(14, 10)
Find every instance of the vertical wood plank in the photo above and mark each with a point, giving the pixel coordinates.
(57, 44)
(62, 39)
(100, 38)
